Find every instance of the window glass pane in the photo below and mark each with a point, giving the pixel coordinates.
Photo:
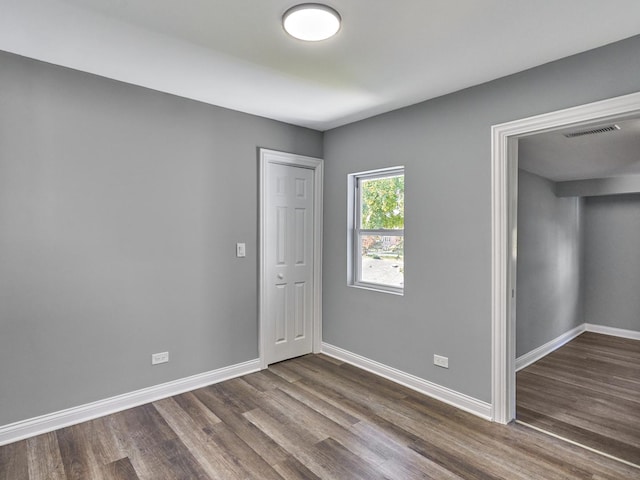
(382, 259)
(382, 203)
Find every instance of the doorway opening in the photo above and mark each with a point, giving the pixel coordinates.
(504, 231)
(578, 274)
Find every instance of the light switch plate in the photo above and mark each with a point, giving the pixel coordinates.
(241, 250)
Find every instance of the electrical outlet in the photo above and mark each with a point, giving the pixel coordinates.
(441, 361)
(157, 358)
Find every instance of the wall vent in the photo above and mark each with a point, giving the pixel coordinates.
(609, 128)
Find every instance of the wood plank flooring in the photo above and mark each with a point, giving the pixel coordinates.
(587, 391)
(308, 418)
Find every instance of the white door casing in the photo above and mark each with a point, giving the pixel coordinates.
(290, 255)
(504, 175)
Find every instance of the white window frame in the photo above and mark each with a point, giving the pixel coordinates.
(354, 232)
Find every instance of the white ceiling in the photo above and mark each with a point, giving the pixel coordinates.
(602, 155)
(234, 53)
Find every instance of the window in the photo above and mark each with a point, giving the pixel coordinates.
(376, 230)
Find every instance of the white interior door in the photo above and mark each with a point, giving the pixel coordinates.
(289, 262)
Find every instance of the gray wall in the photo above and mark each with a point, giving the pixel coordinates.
(549, 277)
(612, 261)
(445, 145)
(120, 208)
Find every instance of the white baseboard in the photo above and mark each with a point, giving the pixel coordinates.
(71, 416)
(542, 351)
(549, 347)
(446, 395)
(616, 332)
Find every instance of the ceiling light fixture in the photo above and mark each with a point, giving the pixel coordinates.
(311, 22)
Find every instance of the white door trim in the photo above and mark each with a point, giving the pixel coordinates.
(504, 170)
(317, 165)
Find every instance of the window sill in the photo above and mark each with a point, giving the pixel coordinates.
(375, 288)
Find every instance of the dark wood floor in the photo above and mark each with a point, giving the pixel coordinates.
(587, 391)
(311, 417)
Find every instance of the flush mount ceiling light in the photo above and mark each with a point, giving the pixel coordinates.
(311, 22)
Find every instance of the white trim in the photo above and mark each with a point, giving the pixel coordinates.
(317, 165)
(446, 395)
(615, 332)
(502, 258)
(354, 255)
(53, 421)
(536, 354)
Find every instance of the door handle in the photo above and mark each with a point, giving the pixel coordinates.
(280, 276)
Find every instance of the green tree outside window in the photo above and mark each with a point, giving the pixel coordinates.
(382, 203)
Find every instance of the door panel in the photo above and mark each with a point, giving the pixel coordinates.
(289, 261)
(280, 313)
(301, 241)
(281, 235)
(300, 315)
